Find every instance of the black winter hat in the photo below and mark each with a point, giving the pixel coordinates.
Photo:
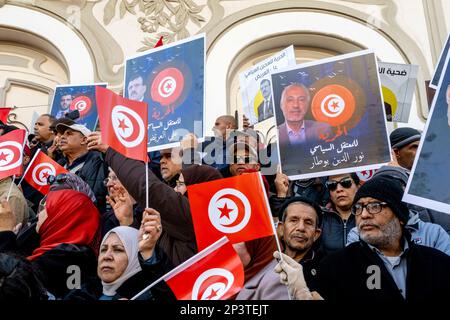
(304, 200)
(401, 137)
(388, 190)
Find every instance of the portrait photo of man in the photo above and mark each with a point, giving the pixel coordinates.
(295, 103)
(265, 108)
(64, 104)
(136, 88)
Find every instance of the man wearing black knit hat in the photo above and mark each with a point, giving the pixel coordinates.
(384, 265)
(404, 142)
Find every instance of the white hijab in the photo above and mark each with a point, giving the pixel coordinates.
(129, 238)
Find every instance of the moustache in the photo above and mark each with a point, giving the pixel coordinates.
(367, 224)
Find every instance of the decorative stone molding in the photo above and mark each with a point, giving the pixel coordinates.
(166, 18)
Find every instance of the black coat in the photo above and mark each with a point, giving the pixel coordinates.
(343, 275)
(52, 267)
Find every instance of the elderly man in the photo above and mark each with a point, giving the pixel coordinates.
(294, 104)
(404, 142)
(384, 265)
(299, 227)
(265, 108)
(88, 165)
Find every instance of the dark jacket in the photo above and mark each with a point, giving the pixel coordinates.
(344, 275)
(93, 172)
(52, 267)
(178, 236)
(335, 230)
(92, 289)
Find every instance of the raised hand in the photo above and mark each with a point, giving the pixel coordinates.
(149, 232)
(94, 141)
(122, 205)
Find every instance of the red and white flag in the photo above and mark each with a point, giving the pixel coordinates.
(235, 207)
(39, 169)
(11, 153)
(4, 112)
(123, 123)
(365, 175)
(215, 273)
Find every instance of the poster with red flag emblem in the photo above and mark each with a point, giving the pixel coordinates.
(170, 79)
(39, 169)
(123, 123)
(236, 207)
(216, 273)
(68, 98)
(11, 153)
(330, 116)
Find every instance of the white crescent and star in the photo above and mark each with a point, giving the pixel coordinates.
(7, 155)
(223, 210)
(41, 173)
(128, 126)
(167, 86)
(215, 290)
(332, 105)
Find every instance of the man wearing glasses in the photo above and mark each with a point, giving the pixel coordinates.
(384, 265)
(338, 220)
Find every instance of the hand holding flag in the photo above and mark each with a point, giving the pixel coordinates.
(212, 274)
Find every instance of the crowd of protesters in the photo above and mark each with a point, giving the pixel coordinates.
(336, 233)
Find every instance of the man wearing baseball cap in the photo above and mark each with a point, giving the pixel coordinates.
(404, 142)
(88, 165)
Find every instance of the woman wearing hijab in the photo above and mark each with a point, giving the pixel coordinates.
(62, 246)
(127, 263)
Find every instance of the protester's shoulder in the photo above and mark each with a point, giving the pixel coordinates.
(75, 251)
(431, 254)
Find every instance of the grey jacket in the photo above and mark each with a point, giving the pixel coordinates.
(423, 233)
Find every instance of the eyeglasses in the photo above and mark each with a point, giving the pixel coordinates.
(346, 183)
(371, 207)
(112, 179)
(244, 159)
(60, 178)
(42, 204)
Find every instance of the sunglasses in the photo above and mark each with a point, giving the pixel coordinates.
(345, 183)
(60, 178)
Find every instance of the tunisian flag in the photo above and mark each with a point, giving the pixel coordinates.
(123, 123)
(39, 169)
(216, 273)
(11, 153)
(235, 207)
(4, 112)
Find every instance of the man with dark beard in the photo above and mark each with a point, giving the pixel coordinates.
(385, 265)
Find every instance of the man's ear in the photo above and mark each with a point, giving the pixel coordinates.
(396, 152)
(317, 234)
(84, 140)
